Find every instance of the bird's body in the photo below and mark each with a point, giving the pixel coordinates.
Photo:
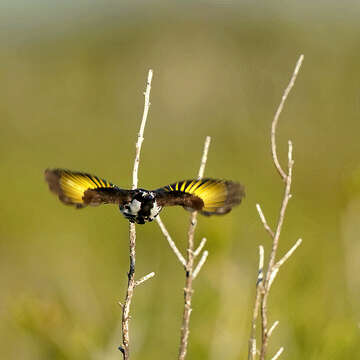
(142, 207)
(208, 196)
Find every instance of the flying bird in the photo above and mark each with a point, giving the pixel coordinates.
(208, 196)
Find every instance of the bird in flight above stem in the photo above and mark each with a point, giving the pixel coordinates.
(208, 196)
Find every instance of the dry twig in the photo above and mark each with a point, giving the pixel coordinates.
(259, 287)
(200, 264)
(277, 355)
(188, 264)
(263, 286)
(277, 115)
(132, 283)
(190, 273)
(144, 278)
(170, 241)
(200, 247)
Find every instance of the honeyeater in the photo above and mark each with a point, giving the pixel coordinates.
(208, 196)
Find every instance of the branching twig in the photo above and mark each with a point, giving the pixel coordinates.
(188, 291)
(190, 273)
(188, 264)
(276, 267)
(263, 286)
(132, 233)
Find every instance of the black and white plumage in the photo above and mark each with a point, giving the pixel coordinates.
(208, 196)
(142, 207)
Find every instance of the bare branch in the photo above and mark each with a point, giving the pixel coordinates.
(204, 157)
(259, 288)
(284, 204)
(200, 247)
(144, 278)
(132, 232)
(277, 115)
(270, 274)
(263, 288)
(261, 266)
(276, 267)
(171, 242)
(288, 254)
(141, 131)
(277, 355)
(290, 159)
(188, 291)
(263, 220)
(200, 264)
(273, 327)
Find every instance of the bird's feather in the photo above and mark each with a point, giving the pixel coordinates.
(209, 196)
(82, 189)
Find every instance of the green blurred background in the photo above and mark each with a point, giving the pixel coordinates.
(72, 77)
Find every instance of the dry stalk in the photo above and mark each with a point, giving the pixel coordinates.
(200, 264)
(188, 290)
(170, 241)
(277, 355)
(132, 283)
(259, 288)
(191, 272)
(264, 285)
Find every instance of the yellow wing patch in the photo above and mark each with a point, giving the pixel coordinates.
(71, 186)
(218, 196)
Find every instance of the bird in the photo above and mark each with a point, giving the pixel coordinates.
(207, 196)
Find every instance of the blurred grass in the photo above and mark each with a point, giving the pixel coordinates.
(74, 99)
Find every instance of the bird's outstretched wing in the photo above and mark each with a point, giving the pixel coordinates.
(209, 196)
(81, 189)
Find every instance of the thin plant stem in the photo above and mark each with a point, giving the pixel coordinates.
(189, 273)
(125, 348)
(264, 282)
